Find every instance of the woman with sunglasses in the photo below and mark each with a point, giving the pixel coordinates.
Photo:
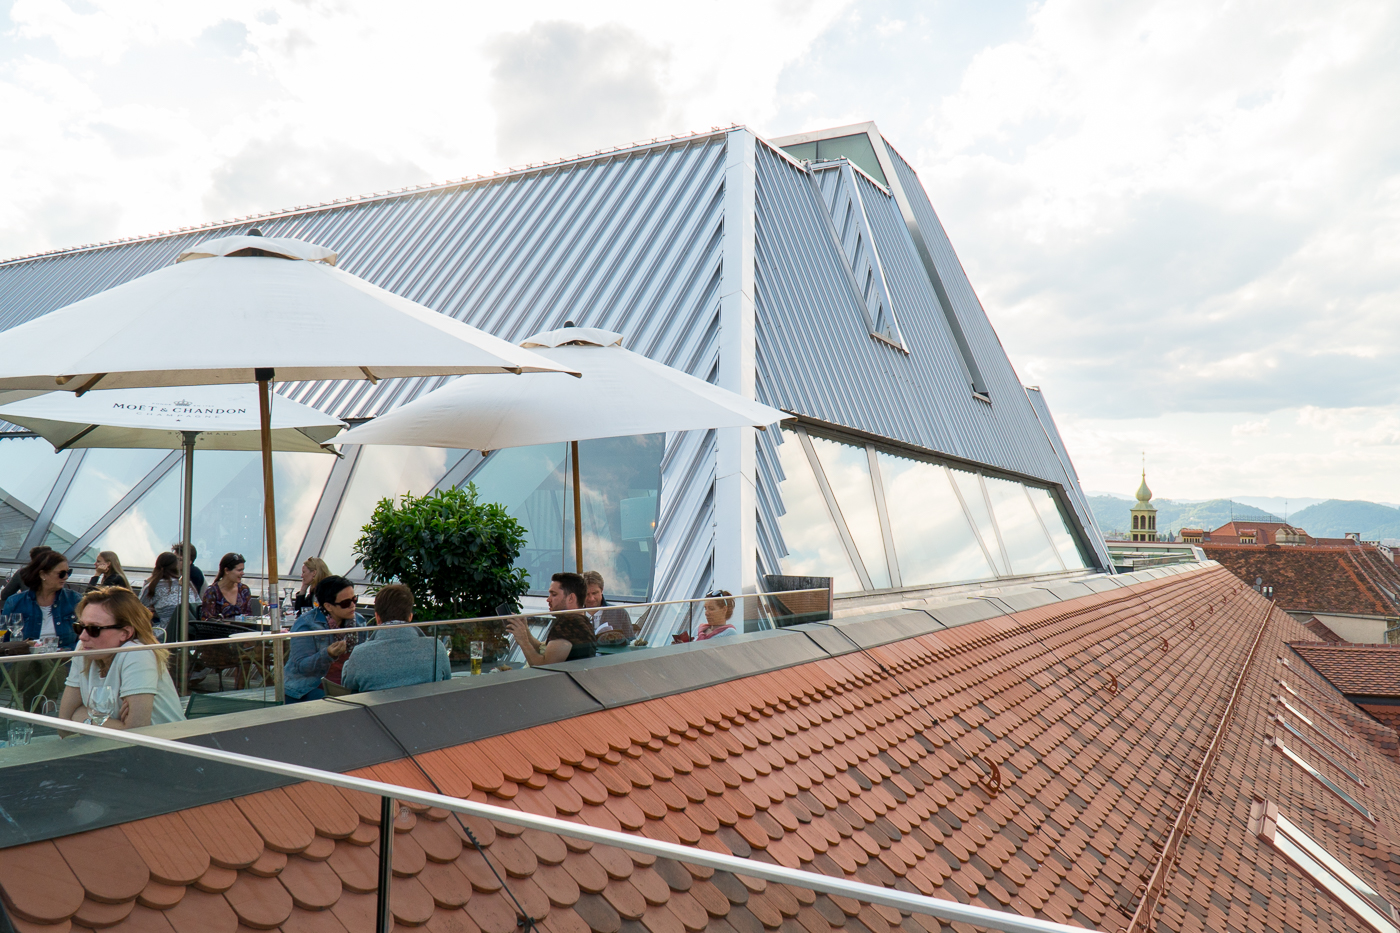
(48, 609)
(228, 596)
(141, 691)
(313, 657)
(719, 609)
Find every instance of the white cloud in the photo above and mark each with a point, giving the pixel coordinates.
(1250, 428)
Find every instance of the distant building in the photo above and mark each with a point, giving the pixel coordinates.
(1192, 535)
(1263, 532)
(1144, 516)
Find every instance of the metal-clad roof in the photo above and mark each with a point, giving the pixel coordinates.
(632, 241)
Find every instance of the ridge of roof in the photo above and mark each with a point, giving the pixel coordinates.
(466, 181)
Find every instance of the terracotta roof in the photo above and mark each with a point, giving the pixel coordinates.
(1094, 711)
(1356, 670)
(1356, 579)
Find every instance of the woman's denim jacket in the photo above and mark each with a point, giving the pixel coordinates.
(308, 659)
(65, 604)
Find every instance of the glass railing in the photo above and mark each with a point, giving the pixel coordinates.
(238, 666)
(121, 777)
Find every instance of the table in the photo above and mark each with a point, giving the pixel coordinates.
(50, 666)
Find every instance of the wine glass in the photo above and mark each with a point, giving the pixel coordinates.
(14, 624)
(102, 705)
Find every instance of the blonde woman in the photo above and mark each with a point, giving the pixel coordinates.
(137, 683)
(109, 572)
(312, 573)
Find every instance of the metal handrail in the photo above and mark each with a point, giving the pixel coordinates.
(250, 638)
(951, 911)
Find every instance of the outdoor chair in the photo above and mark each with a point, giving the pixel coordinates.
(333, 689)
(220, 657)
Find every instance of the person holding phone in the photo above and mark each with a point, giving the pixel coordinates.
(312, 657)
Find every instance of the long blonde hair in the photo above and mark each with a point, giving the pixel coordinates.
(320, 569)
(114, 564)
(127, 611)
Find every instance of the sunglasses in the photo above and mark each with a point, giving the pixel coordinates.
(63, 574)
(346, 603)
(717, 594)
(237, 559)
(93, 631)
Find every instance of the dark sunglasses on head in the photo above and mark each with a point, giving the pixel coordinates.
(718, 594)
(237, 559)
(94, 631)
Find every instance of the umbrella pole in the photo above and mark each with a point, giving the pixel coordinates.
(264, 377)
(183, 634)
(578, 514)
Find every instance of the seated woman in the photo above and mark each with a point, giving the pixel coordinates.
(313, 571)
(312, 657)
(48, 609)
(228, 596)
(109, 572)
(161, 594)
(140, 683)
(719, 609)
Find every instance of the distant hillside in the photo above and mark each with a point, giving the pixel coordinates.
(1112, 514)
(1336, 517)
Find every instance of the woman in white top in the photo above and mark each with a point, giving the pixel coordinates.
(162, 592)
(141, 688)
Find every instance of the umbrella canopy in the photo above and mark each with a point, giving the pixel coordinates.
(233, 305)
(226, 418)
(621, 393)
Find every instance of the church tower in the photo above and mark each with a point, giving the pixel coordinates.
(1144, 515)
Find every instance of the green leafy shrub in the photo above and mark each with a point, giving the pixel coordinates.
(456, 553)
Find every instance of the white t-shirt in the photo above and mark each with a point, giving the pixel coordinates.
(46, 625)
(130, 673)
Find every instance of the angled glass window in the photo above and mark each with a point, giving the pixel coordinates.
(933, 542)
(976, 501)
(814, 545)
(855, 147)
(621, 484)
(1027, 546)
(106, 474)
(1323, 779)
(381, 472)
(28, 468)
(228, 510)
(1313, 706)
(1058, 528)
(847, 469)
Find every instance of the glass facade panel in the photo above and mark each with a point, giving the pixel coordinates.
(971, 489)
(1030, 551)
(814, 546)
(621, 481)
(228, 512)
(847, 469)
(932, 540)
(1055, 523)
(381, 472)
(106, 474)
(28, 468)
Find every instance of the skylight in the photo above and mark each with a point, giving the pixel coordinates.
(1314, 707)
(1325, 870)
(1310, 744)
(1331, 785)
(1292, 709)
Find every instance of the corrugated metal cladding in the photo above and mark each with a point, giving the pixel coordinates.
(815, 353)
(633, 241)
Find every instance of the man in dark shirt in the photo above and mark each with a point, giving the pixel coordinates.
(196, 575)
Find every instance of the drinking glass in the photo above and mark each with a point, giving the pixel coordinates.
(446, 644)
(48, 643)
(14, 624)
(19, 733)
(478, 652)
(102, 706)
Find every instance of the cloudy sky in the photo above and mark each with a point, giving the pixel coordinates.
(1183, 217)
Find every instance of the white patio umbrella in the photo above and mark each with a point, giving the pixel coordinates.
(241, 309)
(621, 393)
(188, 418)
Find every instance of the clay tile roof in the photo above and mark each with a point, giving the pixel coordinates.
(1034, 762)
(1361, 670)
(1356, 579)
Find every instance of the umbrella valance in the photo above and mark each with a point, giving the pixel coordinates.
(225, 417)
